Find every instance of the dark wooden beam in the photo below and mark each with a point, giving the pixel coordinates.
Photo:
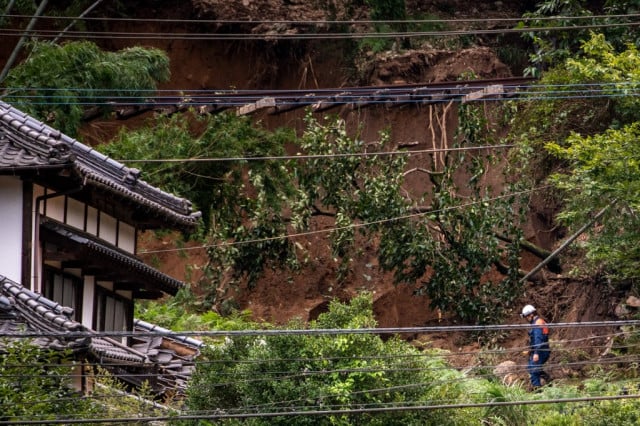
(147, 294)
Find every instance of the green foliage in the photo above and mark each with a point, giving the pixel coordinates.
(369, 190)
(564, 102)
(28, 7)
(245, 200)
(387, 10)
(184, 312)
(280, 373)
(590, 145)
(357, 188)
(18, 6)
(112, 399)
(553, 47)
(604, 169)
(612, 412)
(36, 383)
(241, 199)
(55, 82)
(218, 188)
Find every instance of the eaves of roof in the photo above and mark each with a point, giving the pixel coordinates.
(28, 144)
(89, 246)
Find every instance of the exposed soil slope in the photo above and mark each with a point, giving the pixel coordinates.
(271, 64)
(282, 65)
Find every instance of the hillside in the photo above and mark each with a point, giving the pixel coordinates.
(277, 64)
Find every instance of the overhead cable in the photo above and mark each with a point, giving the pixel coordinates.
(351, 226)
(329, 21)
(221, 414)
(272, 36)
(323, 331)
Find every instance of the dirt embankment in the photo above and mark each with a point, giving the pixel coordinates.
(206, 64)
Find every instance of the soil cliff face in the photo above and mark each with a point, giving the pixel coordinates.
(285, 64)
(281, 64)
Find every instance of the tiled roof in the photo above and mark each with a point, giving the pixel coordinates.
(27, 144)
(168, 367)
(87, 245)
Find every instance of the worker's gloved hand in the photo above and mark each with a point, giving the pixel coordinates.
(525, 353)
(535, 358)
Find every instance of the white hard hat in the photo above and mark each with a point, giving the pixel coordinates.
(527, 310)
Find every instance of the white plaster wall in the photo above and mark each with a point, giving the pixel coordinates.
(88, 293)
(75, 213)
(127, 237)
(36, 250)
(55, 208)
(108, 230)
(92, 221)
(11, 227)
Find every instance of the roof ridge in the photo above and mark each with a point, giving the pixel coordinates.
(55, 147)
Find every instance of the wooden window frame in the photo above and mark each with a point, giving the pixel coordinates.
(48, 283)
(100, 298)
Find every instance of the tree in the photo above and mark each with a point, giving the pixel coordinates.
(56, 82)
(443, 249)
(36, 384)
(604, 171)
(593, 147)
(306, 372)
(552, 47)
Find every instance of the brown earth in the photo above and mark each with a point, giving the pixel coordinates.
(279, 298)
(292, 65)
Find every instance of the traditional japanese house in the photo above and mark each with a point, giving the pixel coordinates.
(70, 218)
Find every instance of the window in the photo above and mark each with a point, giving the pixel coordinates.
(112, 312)
(64, 289)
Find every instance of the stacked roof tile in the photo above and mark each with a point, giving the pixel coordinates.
(27, 144)
(154, 354)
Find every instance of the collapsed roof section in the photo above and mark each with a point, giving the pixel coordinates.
(159, 356)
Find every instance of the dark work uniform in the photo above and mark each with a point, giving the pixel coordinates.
(538, 344)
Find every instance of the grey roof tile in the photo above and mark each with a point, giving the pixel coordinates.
(91, 246)
(30, 312)
(28, 143)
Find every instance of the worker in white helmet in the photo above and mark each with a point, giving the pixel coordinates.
(538, 346)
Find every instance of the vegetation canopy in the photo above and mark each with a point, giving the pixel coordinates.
(56, 82)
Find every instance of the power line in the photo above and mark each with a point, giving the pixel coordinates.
(325, 22)
(339, 228)
(40, 33)
(220, 414)
(197, 100)
(317, 156)
(556, 346)
(325, 332)
(434, 86)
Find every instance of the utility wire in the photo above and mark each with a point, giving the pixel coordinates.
(556, 347)
(324, 332)
(339, 228)
(316, 156)
(75, 20)
(24, 35)
(325, 22)
(398, 361)
(40, 33)
(220, 415)
(399, 98)
(431, 86)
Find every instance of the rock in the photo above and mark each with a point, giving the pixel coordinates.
(633, 302)
(621, 311)
(508, 372)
